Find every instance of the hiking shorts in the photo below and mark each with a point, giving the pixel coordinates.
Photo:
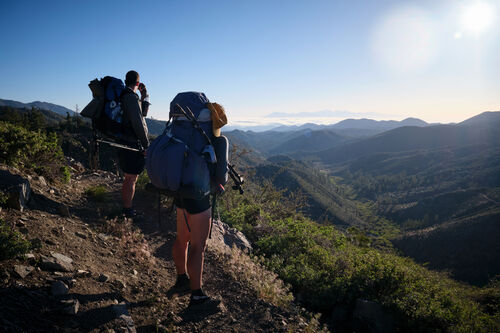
(193, 206)
(131, 162)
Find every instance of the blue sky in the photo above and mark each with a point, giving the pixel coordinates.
(389, 59)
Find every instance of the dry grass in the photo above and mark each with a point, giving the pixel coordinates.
(241, 267)
(130, 239)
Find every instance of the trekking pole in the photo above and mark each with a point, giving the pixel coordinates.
(118, 145)
(94, 151)
(237, 179)
(214, 205)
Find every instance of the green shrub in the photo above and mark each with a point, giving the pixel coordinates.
(327, 268)
(30, 150)
(66, 175)
(97, 193)
(142, 180)
(12, 244)
(3, 198)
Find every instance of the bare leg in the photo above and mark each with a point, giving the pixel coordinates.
(179, 250)
(128, 189)
(200, 226)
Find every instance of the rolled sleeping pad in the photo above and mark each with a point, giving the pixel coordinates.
(221, 147)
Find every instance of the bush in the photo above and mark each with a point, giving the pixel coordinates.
(66, 175)
(12, 244)
(327, 269)
(97, 193)
(142, 180)
(31, 150)
(3, 198)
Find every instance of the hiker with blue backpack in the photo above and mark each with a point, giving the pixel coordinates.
(189, 162)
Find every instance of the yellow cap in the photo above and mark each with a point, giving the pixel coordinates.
(218, 116)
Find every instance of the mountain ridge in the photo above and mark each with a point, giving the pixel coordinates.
(413, 138)
(59, 109)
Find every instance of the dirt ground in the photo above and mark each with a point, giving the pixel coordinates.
(122, 270)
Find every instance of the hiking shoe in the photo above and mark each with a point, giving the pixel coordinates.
(181, 286)
(129, 212)
(198, 297)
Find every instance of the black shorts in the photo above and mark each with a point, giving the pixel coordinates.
(193, 206)
(131, 162)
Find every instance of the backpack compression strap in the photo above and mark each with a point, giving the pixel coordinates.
(195, 122)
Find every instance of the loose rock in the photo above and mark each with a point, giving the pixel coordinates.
(57, 262)
(17, 188)
(120, 284)
(23, 271)
(61, 257)
(81, 235)
(41, 180)
(103, 278)
(82, 273)
(123, 314)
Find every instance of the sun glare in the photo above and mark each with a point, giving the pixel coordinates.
(477, 18)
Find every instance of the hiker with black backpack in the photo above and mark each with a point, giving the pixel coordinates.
(189, 162)
(117, 116)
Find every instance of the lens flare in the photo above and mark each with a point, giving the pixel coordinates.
(477, 18)
(405, 40)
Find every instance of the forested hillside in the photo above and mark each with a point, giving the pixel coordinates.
(405, 180)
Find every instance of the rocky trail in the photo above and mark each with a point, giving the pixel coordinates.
(94, 271)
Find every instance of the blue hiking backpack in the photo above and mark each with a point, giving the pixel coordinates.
(183, 161)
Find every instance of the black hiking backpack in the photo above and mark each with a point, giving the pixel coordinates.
(105, 109)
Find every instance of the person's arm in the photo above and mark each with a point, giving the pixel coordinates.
(144, 99)
(131, 103)
(145, 107)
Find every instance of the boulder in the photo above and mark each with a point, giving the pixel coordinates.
(230, 236)
(61, 257)
(17, 189)
(57, 262)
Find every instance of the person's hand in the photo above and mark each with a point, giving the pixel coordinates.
(220, 189)
(143, 90)
(145, 152)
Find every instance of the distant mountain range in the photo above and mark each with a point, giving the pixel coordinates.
(323, 114)
(477, 130)
(61, 110)
(313, 138)
(366, 124)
